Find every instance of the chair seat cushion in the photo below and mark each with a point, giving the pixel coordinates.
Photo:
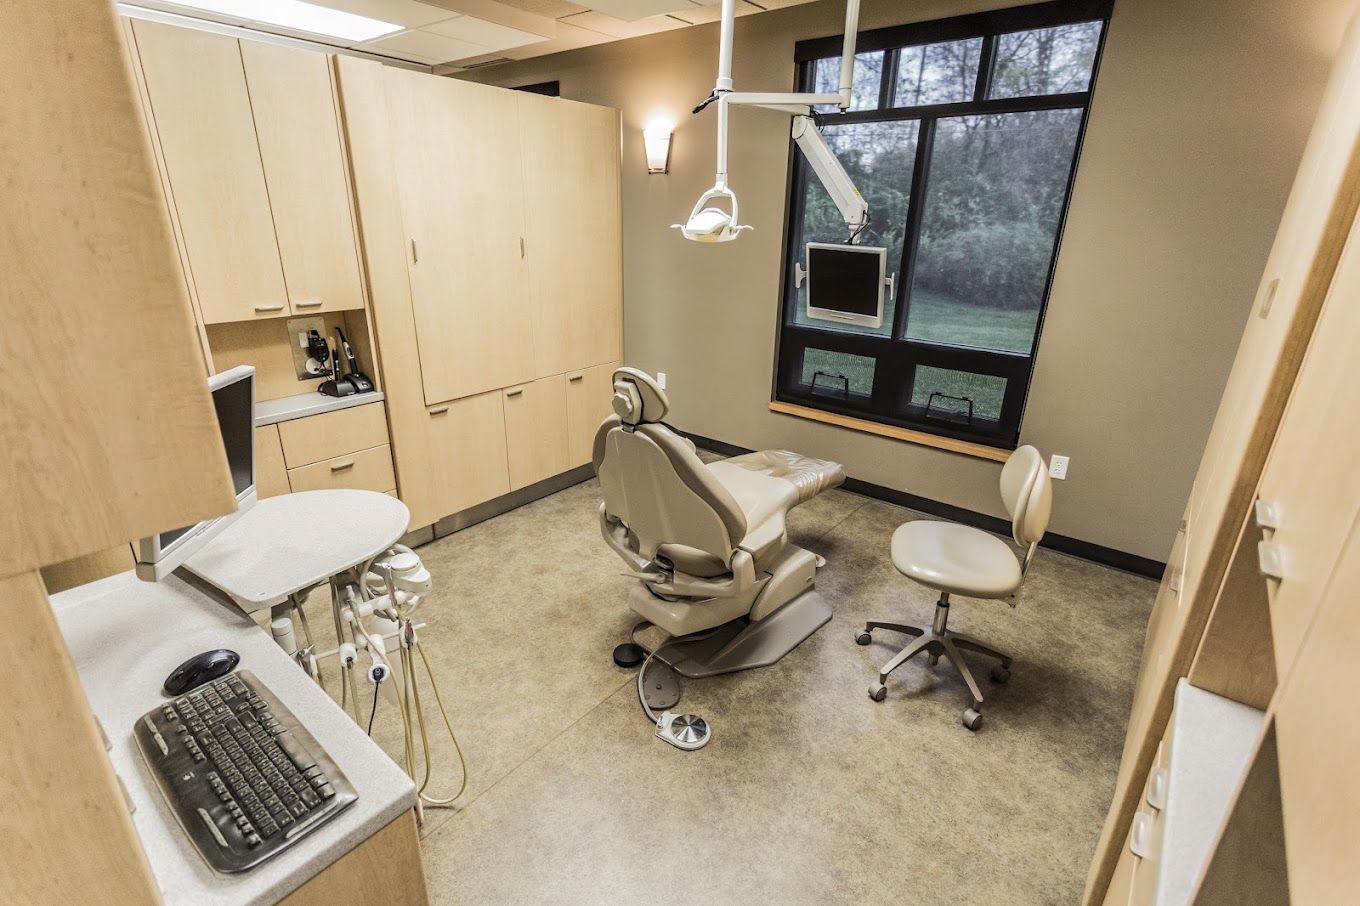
(809, 476)
(955, 558)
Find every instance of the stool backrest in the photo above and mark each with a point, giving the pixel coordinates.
(1027, 492)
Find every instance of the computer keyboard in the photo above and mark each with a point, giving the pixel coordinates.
(243, 777)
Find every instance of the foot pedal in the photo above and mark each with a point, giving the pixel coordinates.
(628, 655)
(684, 731)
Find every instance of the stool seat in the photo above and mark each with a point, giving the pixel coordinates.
(955, 558)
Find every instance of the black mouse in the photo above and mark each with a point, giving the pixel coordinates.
(200, 669)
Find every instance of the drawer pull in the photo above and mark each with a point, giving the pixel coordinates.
(342, 466)
(516, 392)
(439, 410)
(1140, 838)
(277, 306)
(1267, 514)
(1156, 788)
(308, 303)
(575, 377)
(1270, 559)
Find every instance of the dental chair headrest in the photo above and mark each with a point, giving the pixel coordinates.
(638, 398)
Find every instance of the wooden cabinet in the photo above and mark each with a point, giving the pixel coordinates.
(468, 436)
(250, 143)
(459, 174)
(200, 110)
(364, 470)
(536, 430)
(573, 233)
(271, 475)
(318, 437)
(589, 392)
(299, 138)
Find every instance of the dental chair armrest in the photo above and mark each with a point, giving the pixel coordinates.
(616, 536)
(743, 578)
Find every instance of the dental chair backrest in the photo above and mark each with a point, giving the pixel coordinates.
(656, 485)
(1027, 492)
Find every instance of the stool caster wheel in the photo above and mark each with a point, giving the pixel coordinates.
(878, 692)
(933, 658)
(863, 638)
(972, 718)
(1000, 674)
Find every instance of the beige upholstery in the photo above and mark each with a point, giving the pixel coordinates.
(962, 560)
(956, 559)
(698, 533)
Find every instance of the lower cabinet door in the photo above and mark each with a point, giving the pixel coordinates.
(536, 430)
(271, 477)
(467, 451)
(589, 392)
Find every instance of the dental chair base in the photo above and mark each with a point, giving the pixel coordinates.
(741, 644)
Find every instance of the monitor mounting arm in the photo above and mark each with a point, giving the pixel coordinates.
(712, 224)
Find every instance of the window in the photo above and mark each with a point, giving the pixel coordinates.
(963, 137)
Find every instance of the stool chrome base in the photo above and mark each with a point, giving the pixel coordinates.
(935, 641)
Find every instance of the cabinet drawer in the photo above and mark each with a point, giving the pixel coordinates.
(367, 470)
(271, 476)
(318, 437)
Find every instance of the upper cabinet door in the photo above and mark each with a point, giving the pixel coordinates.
(459, 172)
(299, 136)
(201, 112)
(574, 241)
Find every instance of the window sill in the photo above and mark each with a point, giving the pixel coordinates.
(979, 451)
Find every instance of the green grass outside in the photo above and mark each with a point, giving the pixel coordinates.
(938, 318)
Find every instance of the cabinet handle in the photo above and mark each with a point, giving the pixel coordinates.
(277, 306)
(1140, 837)
(516, 392)
(415, 258)
(1156, 788)
(575, 377)
(439, 410)
(308, 303)
(342, 466)
(1267, 514)
(522, 249)
(1270, 559)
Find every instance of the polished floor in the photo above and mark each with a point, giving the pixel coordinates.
(809, 792)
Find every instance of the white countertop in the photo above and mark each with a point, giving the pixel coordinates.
(1212, 739)
(125, 636)
(287, 408)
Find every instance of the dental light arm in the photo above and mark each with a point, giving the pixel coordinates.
(824, 162)
(708, 223)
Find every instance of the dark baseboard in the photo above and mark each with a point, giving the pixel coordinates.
(1086, 550)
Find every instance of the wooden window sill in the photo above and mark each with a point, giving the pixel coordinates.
(967, 448)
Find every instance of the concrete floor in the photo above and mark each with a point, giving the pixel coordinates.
(809, 792)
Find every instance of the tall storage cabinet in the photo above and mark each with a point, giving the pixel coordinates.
(492, 238)
(251, 147)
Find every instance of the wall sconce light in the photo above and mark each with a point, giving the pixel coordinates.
(657, 140)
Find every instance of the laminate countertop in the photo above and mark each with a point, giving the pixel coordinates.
(125, 636)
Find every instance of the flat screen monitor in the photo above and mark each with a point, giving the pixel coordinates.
(233, 395)
(845, 283)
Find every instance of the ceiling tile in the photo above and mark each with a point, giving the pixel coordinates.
(487, 34)
(555, 9)
(696, 14)
(633, 10)
(608, 25)
(409, 13)
(424, 47)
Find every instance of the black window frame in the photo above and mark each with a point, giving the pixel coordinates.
(895, 356)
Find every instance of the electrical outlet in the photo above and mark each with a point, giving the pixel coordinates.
(661, 379)
(1057, 467)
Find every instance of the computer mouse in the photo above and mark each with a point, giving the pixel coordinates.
(200, 669)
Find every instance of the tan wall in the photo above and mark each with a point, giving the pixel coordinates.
(1199, 118)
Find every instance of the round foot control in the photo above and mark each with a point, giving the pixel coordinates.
(972, 718)
(1000, 674)
(878, 692)
(863, 638)
(628, 655)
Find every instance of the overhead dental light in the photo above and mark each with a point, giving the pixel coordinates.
(713, 223)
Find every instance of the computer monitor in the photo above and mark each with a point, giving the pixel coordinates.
(233, 394)
(845, 283)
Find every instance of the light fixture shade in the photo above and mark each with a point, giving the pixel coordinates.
(657, 140)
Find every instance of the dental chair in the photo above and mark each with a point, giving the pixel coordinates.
(707, 542)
